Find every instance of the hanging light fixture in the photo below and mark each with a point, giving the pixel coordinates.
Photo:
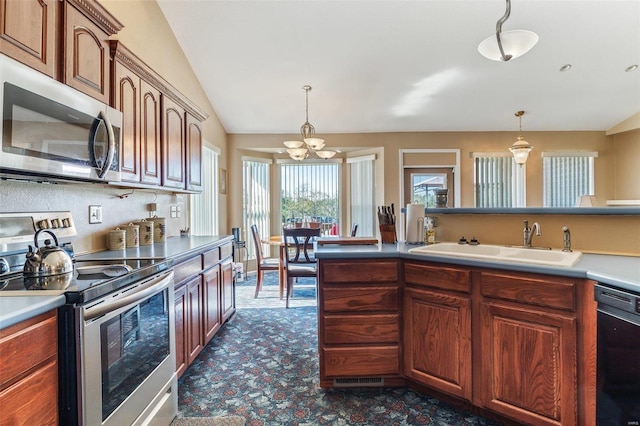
(509, 44)
(310, 144)
(520, 148)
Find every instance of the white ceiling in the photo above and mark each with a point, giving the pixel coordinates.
(397, 65)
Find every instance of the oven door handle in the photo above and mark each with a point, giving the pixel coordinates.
(145, 290)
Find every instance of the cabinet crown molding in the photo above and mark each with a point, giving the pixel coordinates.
(97, 13)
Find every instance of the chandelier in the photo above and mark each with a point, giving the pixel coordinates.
(310, 144)
(520, 148)
(509, 44)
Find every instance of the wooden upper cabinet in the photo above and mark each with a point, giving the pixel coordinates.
(28, 33)
(87, 27)
(139, 102)
(126, 92)
(173, 144)
(194, 154)
(150, 115)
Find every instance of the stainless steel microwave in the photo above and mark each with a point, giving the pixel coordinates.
(52, 131)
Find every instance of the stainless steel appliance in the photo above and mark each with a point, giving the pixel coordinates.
(618, 377)
(116, 330)
(51, 131)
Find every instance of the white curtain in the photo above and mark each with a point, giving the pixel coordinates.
(256, 200)
(362, 194)
(566, 177)
(498, 181)
(204, 212)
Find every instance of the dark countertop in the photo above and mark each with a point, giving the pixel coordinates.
(14, 309)
(619, 271)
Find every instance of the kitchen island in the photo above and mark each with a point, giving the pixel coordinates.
(499, 337)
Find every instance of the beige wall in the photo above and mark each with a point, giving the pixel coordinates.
(611, 171)
(147, 34)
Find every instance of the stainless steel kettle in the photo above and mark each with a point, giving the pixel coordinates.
(48, 260)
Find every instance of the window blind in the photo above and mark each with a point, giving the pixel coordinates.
(256, 200)
(204, 207)
(310, 191)
(362, 194)
(497, 182)
(566, 178)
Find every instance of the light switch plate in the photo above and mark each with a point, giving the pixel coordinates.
(95, 214)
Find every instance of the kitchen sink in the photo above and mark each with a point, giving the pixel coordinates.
(502, 253)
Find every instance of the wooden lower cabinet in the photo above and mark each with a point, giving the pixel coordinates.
(212, 317)
(529, 364)
(513, 344)
(29, 382)
(204, 300)
(359, 319)
(437, 340)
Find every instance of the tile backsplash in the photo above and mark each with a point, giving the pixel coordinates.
(119, 206)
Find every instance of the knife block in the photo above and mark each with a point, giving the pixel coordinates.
(388, 234)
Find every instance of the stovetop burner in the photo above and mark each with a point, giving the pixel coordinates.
(88, 281)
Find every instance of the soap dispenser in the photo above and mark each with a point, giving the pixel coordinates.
(430, 233)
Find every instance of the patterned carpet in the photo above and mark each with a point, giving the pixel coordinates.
(263, 366)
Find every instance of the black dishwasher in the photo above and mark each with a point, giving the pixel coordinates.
(618, 381)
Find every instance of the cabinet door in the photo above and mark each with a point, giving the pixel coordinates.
(228, 296)
(182, 329)
(173, 144)
(127, 100)
(150, 142)
(28, 32)
(437, 340)
(86, 53)
(211, 303)
(195, 341)
(194, 154)
(529, 364)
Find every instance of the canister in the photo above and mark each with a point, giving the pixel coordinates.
(159, 229)
(146, 232)
(116, 239)
(132, 235)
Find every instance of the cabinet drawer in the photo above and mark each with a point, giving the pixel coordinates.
(187, 269)
(557, 293)
(26, 345)
(368, 361)
(437, 277)
(210, 258)
(359, 271)
(226, 250)
(360, 299)
(367, 329)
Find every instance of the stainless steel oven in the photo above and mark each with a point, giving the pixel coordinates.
(118, 353)
(128, 362)
(51, 131)
(618, 363)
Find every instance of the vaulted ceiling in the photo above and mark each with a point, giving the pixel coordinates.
(396, 65)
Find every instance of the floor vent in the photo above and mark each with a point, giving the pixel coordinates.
(358, 381)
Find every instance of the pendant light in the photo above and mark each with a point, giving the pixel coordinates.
(507, 45)
(310, 144)
(520, 148)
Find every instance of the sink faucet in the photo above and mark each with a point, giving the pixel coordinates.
(528, 232)
(566, 239)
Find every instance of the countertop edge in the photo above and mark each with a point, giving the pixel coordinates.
(619, 271)
(15, 309)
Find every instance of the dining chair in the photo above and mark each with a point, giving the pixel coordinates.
(263, 263)
(299, 259)
(354, 229)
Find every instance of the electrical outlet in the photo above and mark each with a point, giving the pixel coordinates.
(95, 214)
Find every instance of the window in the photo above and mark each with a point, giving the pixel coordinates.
(362, 194)
(498, 181)
(256, 199)
(311, 192)
(566, 177)
(204, 206)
